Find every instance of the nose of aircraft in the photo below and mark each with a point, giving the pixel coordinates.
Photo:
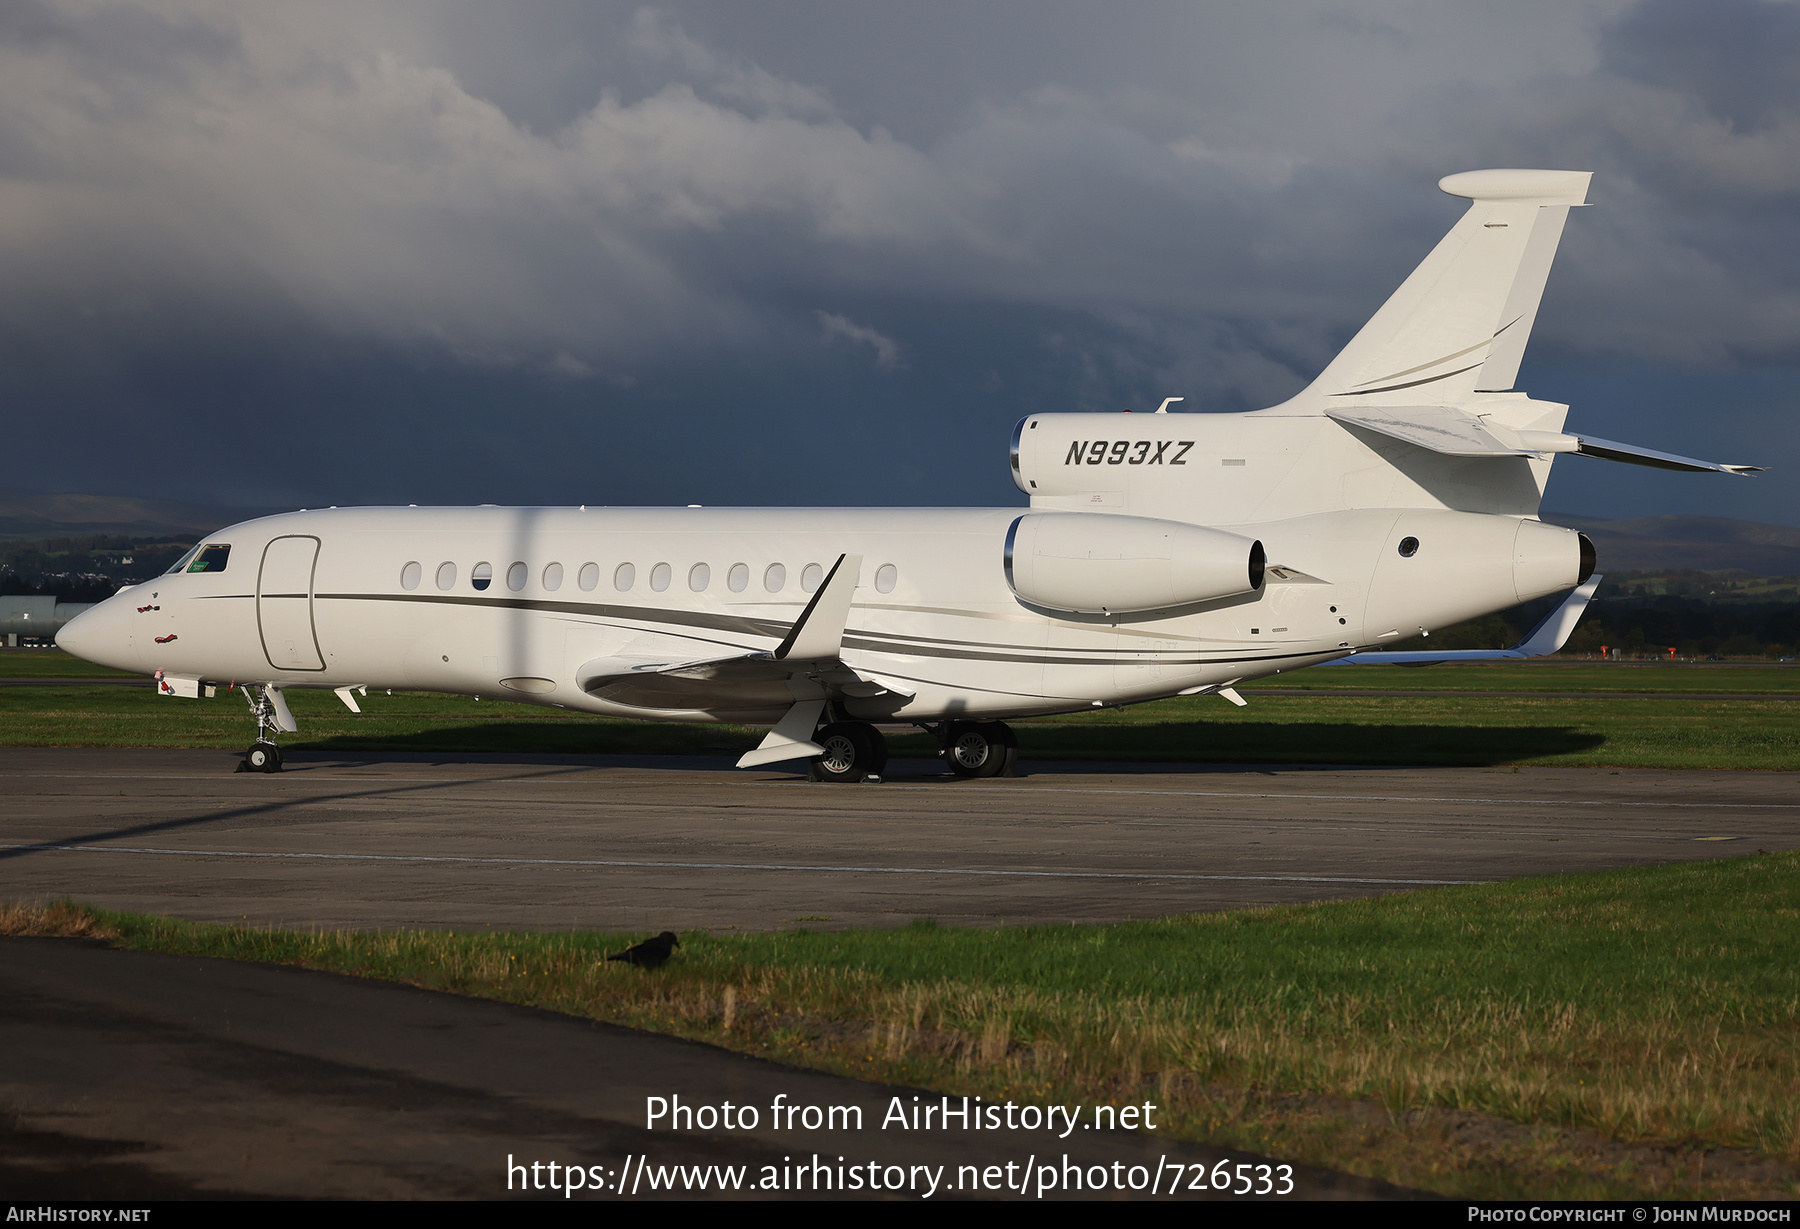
(102, 634)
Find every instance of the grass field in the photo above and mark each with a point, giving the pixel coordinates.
(1520, 726)
(1620, 1034)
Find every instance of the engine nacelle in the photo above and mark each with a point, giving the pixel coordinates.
(1093, 563)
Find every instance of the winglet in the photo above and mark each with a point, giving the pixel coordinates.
(818, 634)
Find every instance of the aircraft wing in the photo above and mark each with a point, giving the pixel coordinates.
(799, 675)
(1551, 633)
(1458, 433)
(743, 681)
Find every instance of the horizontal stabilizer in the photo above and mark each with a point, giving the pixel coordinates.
(1438, 428)
(1458, 433)
(1608, 450)
(1551, 633)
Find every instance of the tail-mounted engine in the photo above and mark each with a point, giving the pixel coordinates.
(1087, 563)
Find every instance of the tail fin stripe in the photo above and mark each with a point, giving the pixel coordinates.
(1395, 375)
(1361, 392)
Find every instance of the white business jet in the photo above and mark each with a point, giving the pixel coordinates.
(1162, 554)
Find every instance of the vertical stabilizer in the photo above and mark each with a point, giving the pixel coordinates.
(1459, 324)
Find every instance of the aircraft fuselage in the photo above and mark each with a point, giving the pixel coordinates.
(514, 602)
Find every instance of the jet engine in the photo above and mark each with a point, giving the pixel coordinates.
(1088, 563)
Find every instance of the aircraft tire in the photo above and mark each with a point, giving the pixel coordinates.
(981, 749)
(262, 757)
(853, 750)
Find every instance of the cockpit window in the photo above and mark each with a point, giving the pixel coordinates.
(180, 565)
(212, 559)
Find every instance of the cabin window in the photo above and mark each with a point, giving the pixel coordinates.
(589, 577)
(446, 577)
(482, 576)
(180, 565)
(410, 575)
(212, 559)
(699, 576)
(659, 577)
(552, 577)
(624, 576)
(1408, 547)
(775, 578)
(516, 576)
(812, 577)
(886, 577)
(738, 579)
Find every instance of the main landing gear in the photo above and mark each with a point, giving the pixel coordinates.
(263, 755)
(980, 748)
(854, 751)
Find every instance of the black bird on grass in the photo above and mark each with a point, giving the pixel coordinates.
(651, 953)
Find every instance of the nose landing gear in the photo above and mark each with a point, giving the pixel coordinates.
(264, 755)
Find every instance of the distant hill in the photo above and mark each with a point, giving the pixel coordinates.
(29, 515)
(1701, 543)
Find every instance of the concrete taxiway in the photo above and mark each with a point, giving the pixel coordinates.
(647, 844)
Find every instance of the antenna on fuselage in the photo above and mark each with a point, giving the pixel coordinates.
(1164, 407)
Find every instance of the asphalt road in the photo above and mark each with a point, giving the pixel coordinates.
(650, 844)
(132, 1076)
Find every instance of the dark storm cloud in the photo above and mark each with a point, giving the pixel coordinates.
(567, 251)
(1736, 57)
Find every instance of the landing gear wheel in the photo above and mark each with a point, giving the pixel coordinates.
(262, 757)
(983, 749)
(853, 750)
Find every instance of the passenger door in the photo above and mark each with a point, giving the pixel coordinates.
(284, 596)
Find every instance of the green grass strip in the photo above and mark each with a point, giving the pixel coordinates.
(1651, 1004)
(1613, 732)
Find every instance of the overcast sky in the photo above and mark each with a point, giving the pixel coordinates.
(817, 253)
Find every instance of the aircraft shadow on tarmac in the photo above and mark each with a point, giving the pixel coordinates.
(1169, 743)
